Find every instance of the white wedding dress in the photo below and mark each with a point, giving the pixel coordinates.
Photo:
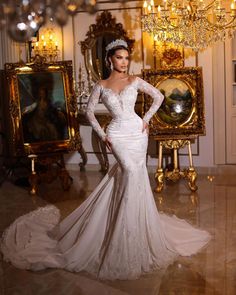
(117, 233)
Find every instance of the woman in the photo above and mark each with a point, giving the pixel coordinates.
(117, 233)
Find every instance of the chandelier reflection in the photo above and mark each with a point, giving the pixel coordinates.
(23, 18)
(191, 24)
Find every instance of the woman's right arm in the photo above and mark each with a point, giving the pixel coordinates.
(93, 100)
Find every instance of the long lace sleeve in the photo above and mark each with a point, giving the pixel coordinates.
(157, 96)
(93, 100)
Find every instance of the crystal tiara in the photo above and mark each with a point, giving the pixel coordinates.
(116, 43)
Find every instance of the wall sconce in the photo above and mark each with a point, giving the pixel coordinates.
(46, 45)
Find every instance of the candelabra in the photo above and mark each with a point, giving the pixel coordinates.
(83, 88)
(193, 23)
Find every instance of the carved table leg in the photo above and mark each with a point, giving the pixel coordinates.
(191, 176)
(84, 157)
(191, 173)
(159, 175)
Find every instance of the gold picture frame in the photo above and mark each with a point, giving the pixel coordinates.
(41, 108)
(181, 114)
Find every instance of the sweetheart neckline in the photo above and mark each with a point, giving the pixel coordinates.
(118, 93)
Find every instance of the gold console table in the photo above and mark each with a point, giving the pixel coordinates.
(189, 174)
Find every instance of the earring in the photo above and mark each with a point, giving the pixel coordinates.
(111, 67)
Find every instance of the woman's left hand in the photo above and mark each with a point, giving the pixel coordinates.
(145, 127)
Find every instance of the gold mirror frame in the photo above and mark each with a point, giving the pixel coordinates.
(189, 123)
(18, 146)
(105, 26)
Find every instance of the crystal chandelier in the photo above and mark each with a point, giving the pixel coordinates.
(23, 18)
(46, 46)
(192, 24)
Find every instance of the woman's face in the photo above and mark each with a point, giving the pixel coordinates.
(120, 60)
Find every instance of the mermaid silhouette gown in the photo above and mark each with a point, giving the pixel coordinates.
(117, 232)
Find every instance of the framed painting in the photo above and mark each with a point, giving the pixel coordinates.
(42, 107)
(182, 111)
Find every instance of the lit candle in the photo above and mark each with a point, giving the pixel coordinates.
(173, 8)
(145, 8)
(37, 44)
(44, 44)
(233, 8)
(56, 44)
(42, 37)
(152, 5)
(165, 4)
(159, 10)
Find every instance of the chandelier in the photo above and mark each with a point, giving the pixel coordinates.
(46, 45)
(23, 18)
(192, 24)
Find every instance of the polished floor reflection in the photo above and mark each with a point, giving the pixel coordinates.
(212, 271)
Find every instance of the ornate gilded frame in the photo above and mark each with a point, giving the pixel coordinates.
(182, 111)
(18, 145)
(107, 29)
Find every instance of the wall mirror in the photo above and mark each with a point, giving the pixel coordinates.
(42, 107)
(97, 38)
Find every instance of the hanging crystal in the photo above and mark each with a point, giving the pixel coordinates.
(191, 23)
(24, 17)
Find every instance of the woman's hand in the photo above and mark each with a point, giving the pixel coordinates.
(108, 143)
(145, 127)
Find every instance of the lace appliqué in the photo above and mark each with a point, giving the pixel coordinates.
(93, 100)
(157, 96)
(27, 230)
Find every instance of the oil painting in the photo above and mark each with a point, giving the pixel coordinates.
(182, 111)
(178, 101)
(42, 108)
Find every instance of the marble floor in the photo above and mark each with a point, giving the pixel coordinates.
(212, 207)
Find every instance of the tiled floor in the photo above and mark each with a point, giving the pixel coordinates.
(212, 271)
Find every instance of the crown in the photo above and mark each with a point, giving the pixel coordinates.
(116, 43)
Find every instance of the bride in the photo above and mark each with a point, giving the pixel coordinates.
(117, 233)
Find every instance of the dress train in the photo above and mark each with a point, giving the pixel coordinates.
(107, 236)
